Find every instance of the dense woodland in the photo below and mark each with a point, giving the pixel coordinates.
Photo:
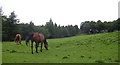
(92, 27)
(11, 26)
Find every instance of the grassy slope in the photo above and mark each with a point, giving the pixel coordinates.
(79, 49)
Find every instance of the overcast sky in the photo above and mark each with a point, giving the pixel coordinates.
(63, 12)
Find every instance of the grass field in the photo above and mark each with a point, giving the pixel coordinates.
(98, 48)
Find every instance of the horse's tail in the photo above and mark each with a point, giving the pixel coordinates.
(28, 38)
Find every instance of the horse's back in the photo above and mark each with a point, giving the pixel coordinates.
(18, 36)
(36, 36)
(42, 37)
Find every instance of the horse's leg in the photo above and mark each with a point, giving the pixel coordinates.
(17, 42)
(45, 44)
(32, 46)
(36, 47)
(41, 46)
(20, 41)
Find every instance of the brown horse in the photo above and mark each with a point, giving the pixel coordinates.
(37, 38)
(18, 39)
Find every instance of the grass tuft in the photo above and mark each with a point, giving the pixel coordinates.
(13, 51)
(82, 56)
(65, 57)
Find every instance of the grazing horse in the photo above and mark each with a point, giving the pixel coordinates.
(18, 39)
(37, 38)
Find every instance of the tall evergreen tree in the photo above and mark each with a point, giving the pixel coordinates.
(9, 28)
(49, 25)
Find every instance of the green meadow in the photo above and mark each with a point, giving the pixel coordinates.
(96, 48)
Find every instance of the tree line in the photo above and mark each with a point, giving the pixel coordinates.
(92, 27)
(50, 29)
(11, 27)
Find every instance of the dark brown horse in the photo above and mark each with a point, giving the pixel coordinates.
(18, 39)
(37, 38)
